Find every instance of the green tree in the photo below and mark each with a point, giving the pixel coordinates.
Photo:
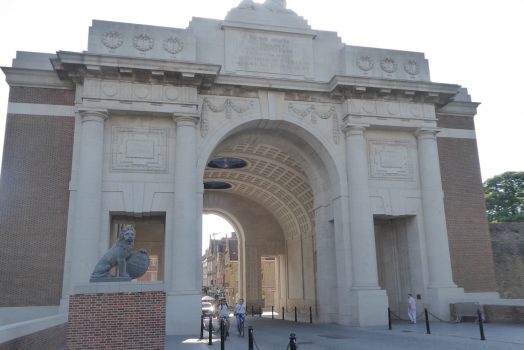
(504, 195)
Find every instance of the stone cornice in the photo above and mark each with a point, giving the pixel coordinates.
(75, 66)
(459, 108)
(350, 86)
(426, 91)
(35, 78)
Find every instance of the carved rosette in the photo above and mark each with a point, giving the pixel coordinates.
(228, 107)
(112, 40)
(411, 67)
(388, 65)
(173, 45)
(314, 113)
(365, 63)
(143, 42)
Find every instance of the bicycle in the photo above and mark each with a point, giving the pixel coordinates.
(241, 319)
(216, 325)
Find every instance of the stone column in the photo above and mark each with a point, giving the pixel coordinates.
(326, 274)
(184, 284)
(363, 252)
(86, 229)
(439, 261)
(370, 300)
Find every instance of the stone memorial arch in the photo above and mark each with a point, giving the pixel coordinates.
(347, 164)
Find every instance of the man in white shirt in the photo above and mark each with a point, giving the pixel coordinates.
(412, 309)
(223, 313)
(240, 312)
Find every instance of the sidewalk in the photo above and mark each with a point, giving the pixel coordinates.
(274, 335)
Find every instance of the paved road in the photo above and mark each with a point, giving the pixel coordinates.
(274, 335)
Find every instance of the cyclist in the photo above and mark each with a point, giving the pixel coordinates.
(223, 313)
(240, 313)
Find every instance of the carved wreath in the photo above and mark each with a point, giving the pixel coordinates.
(411, 67)
(228, 106)
(112, 40)
(143, 42)
(312, 112)
(365, 63)
(173, 45)
(388, 65)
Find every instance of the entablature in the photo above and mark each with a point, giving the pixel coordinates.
(77, 66)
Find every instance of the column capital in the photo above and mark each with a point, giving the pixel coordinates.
(354, 129)
(186, 118)
(93, 114)
(426, 133)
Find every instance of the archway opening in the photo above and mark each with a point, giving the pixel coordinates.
(271, 200)
(220, 258)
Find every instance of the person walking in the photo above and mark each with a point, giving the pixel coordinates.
(412, 309)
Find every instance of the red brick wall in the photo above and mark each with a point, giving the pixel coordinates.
(20, 94)
(34, 200)
(504, 313)
(469, 240)
(49, 339)
(456, 122)
(117, 321)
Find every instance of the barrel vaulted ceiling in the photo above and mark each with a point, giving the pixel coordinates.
(272, 178)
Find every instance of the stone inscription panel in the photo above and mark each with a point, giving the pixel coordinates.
(139, 149)
(390, 160)
(279, 54)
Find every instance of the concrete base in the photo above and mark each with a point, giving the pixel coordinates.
(183, 310)
(369, 307)
(438, 300)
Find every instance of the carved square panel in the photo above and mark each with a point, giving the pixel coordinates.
(390, 159)
(139, 150)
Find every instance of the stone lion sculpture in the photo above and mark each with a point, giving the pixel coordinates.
(119, 256)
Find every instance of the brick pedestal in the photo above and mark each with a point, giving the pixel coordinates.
(114, 321)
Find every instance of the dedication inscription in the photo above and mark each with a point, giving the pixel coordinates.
(269, 53)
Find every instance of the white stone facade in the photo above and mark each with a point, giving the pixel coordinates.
(343, 182)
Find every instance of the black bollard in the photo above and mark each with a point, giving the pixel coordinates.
(296, 314)
(222, 334)
(292, 342)
(250, 338)
(210, 331)
(282, 313)
(310, 315)
(201, 327)
(481, 325)
(428, 331)
(272, 314)
(389, 319)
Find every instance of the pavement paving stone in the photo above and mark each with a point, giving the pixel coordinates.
(274, 335)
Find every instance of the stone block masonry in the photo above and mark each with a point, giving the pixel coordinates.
(117, 321)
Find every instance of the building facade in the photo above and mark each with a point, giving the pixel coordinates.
(346, 165)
